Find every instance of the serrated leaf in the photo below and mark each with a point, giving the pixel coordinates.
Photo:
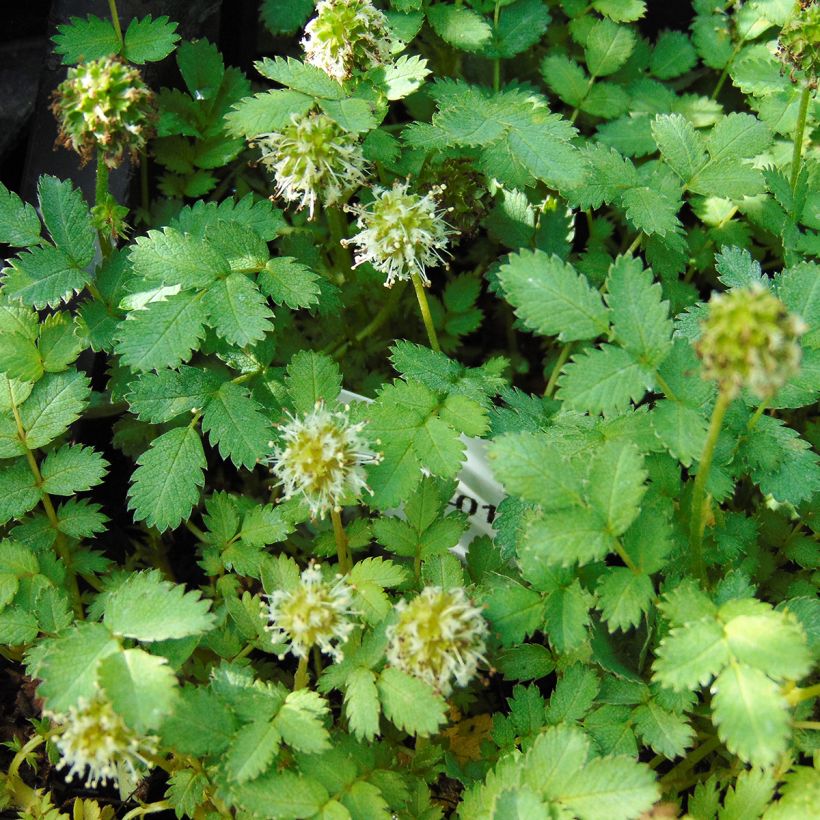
(459, 26)
(616, 484)
(289, 282)
(624, 596)
(301, 77)
(17, 626)
(200, 724)
(566, 78)
(751, 714)
(672, 55)
(362, 703)
(409, 703)
(43, 277)
(733, 179)
(300, 721)
(608, 47)
(236, 424)
(682, 430)
(72, 469)
(691, 655)
(238, 312)
(68, 219)
(680, 145)
(667, 733)
(284, 795)
(19, 223)
(148, 40)
(551, 297)
(68, 671)
(403, 77)
(520, 26)
(186, 791)
(55, 403)
(640, 318)
(651, 210)
(621, 11)
(163, 334)
(603, 380)
(566, 537)
(82, 40)
(567, 617)
(252, 750)
(160, 397)
(202, 69)
(312, 377)
(148, 608)
(266, 112)
(78, 518)
(165, 485)
(512, 610)
(142, 687)
(19, 357)
(60, 342)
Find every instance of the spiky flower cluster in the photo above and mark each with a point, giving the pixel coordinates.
(401, 233)
(346, 36)
(798, 45)
(315, 613)
(94, 740)
(104, 105)
(749, 339)
(439, 637)
(320, 456)
(313, 160)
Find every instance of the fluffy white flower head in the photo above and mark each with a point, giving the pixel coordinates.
(320, 456)
(346, 36)
(313, 160)
(315, 613)
(95, 739)
(439, 637)
(401, 233)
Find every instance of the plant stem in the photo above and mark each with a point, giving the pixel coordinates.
(624, 556)
(664, 385)
(59, 540)
(342, 552)
(798, 695)
(100, 195)
(697, 519)
(633, 245)
(145, 199)
(22, 794)
(798, 135)
(497, 60)
(374, 324)
(757, 414)
(337, 226)
(556, 369)
(300, 680)
(807, 724)
(115, 19)
(149, 808)
(421, 295)
(690, 761)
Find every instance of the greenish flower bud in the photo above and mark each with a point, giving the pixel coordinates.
(439, 637)
(346, 36)
(798, 45)
(313, 160)
(749, 339)
(104, 105)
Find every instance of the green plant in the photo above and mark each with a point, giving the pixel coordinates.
(294, 610)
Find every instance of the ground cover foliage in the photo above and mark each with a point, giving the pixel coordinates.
(230, 590)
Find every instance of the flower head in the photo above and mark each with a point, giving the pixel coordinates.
(104, 104)
(439, 637)
(94, 740)
(401, 232)
(320, 457)
(798, 45)
(315, 613)
(346, 36)
(313, 159)
(750, 339)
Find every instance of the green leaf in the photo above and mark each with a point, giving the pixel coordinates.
(165, 485)
(680, 145)
(43, 277)
(148, 40)
(19, 223)
(312, 377)
(691, 655)
(733, 179)
(264, 525)
(512, 610)
(284, 795)
(608, 47)
(532, 468)
(651, 210)
(352, 114)
(142, 687)
(640, 319)
(459, 26)
(83, 40)
(17, 626)
(567, 617)
(603, 380)
(163, 334)
(551, 298)
(186, 791)
(19, 357)
(362, 703)
(403, 77)
(60, 342)
(55, 403)
(68, 671)
(410, 703)
(266, 112)
(300, 721)
(289, 282)
(751, 715)
(160, 397)
(202, 69)
(621, 11)
(623, 597)
(301, 77)
(200, 723)
(252, 750)
(738, 136)
(682, 430)
(617, 484)
(68, 219)
(672, 56)
(667, 733)
(72, 469)
(242, 246)
(520, 26)
(148, 608)
(78, 518)
(566, 537)
(168, 257)
(238, 312)
(236, 424)
(566, 78)
(285, 18)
